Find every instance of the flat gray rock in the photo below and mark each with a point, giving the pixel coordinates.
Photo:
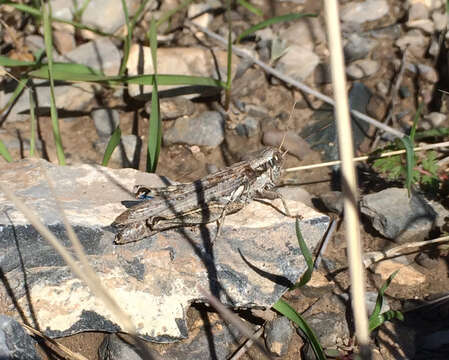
(253, 262)
(206, 129)
(399, 217)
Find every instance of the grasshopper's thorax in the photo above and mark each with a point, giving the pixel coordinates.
(267, 164)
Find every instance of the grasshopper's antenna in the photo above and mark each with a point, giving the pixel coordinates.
(282, 142)
(285, 134)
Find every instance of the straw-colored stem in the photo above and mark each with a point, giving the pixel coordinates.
(366, 157)
(289, 80)
(376, 256)
(349, 181)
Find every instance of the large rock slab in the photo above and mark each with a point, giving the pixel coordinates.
(252, 263)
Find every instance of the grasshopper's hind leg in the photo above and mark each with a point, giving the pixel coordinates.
(133, 232)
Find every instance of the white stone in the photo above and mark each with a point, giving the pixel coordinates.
(407, 276)
(362, 68)
(306, 33)
(436, 119)
(99, 54)
(427, 73)
(415, 41)
(108, 15)
(298, 62)
(205, 19)
(360, 12)
(440, 20)
(425, 25)
(418, 11)
(431, 4)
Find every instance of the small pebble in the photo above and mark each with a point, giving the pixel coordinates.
(383, 87)
(426, 261)
(361, 12)
(427, 73)
(333, 201)
(64, 41)
(249, 127)
(278, 335)
(106, 121)
(440, 21)
(418, 11)
(425, 25)
(362, 68)
(206, 129)
(436, 119)
(404, 92)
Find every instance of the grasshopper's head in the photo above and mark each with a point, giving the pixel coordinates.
(268, 160)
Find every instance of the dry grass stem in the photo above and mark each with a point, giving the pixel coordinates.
(367, 157)
(289, 80)
(349, 181)
(248, 343)
(376, 256)
(93, 282)
(394, 97)
(233, 319)
(60, 347)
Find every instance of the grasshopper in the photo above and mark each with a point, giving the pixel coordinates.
(206, 200)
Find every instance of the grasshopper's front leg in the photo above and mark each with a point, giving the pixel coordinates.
(272, 195)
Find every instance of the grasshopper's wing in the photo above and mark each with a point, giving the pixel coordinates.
(144, 192)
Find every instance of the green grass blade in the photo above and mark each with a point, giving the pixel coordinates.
(79, 11)
(53, 111)
(285, 309)
(4, 152)
(130, 24)
(33, 123)
(415, 122)
(250, 7)
(7, 62)
(138, 13)
(376, 319)
(17, 91)
(431, 133)
(169, 13)
(63, 71)
(112, 144)
(229, 59)
(381, 293)
(229, 56)
(174, 80)
(127, 40)
(410, 156)
(269, 22)
(152, 35)
(307, 256)
(385, 316)
(155, 126)
(69, 72)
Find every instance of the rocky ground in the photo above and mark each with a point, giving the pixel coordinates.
(396, 58)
